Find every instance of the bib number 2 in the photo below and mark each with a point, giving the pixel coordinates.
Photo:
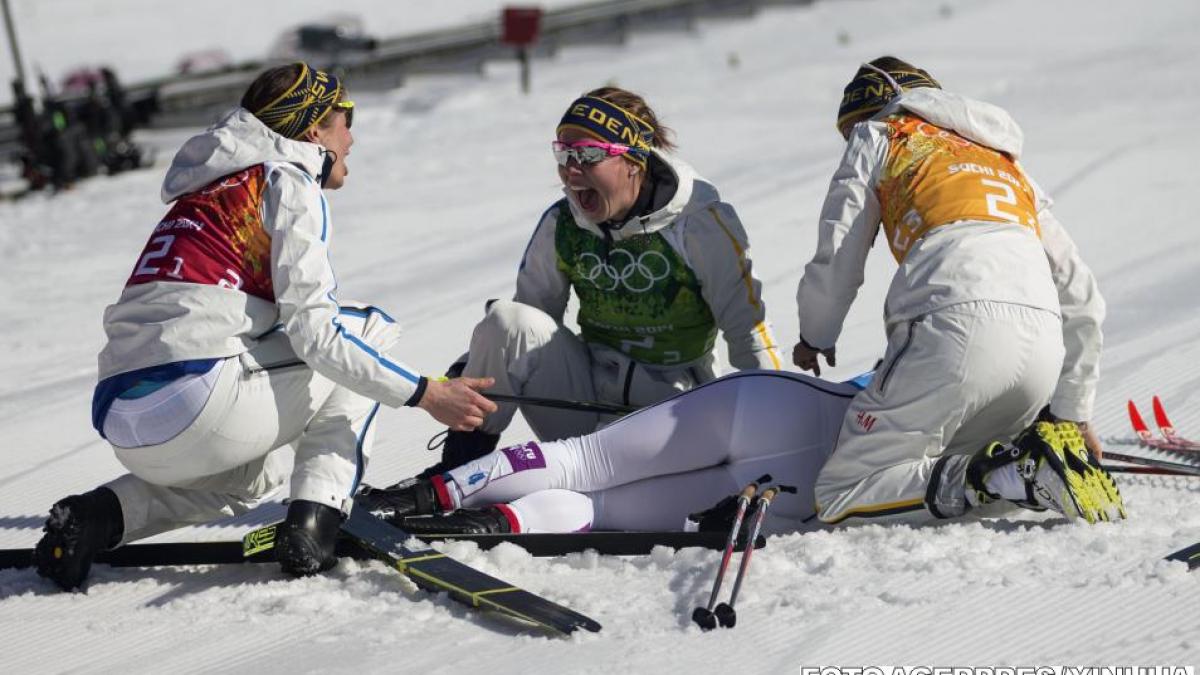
(160, 248)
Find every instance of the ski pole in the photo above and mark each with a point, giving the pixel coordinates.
(1173, 466)
(724, 612)
(1146, 470)
(584, 406)
(703, 616)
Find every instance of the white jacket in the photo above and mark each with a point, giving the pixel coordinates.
(706, 233)
(958, 262)
(160, 322)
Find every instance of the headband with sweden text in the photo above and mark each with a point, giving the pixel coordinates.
(873, 87)
(303, 105)
(609, 122)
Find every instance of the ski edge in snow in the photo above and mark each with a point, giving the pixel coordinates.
(1189, 555)
(435, 571)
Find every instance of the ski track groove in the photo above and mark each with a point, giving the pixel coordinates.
(110, 598)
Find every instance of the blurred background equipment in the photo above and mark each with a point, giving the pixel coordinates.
(85, 128)
(75, 133)
(204, 61)
(520, 29)
(329, 44)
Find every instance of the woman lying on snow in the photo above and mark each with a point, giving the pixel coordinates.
(992, 315)
(649, 470)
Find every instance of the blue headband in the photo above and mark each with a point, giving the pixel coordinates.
(609, 122)
(303, 105)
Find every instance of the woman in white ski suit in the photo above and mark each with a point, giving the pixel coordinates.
(990, 316)
(657, 277)
(228, 342)
(646, 471)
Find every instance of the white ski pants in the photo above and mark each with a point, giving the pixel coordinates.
(951, 382)
(649, 470)
(529, 353)
(224, 463)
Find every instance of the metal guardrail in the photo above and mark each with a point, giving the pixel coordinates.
(180, 100)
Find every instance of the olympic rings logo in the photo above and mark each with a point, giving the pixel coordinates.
(637, 275)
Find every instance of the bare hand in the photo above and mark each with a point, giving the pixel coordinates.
(1091, 440)
(457, 403)
(805, 357)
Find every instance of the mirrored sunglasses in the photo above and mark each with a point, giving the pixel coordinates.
(348, 108)
(586, 152)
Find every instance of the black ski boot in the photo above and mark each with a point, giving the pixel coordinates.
(460, 447)
(488, 520)
(306, 541)
(411, 497)
(79, 527)
(720, 517)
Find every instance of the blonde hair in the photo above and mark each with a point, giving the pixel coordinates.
(662, 138)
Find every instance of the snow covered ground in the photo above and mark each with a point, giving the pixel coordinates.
(448, 176)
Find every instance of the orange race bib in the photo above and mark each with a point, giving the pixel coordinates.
(933, 177)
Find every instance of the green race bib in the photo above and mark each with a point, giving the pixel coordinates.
(636, 295)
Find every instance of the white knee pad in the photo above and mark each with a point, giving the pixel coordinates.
(554, 511)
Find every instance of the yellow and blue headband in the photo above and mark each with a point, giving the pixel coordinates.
(607, 121)
(303, 105)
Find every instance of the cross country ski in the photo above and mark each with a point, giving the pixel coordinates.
(436, 572)
(258, 547)
(1189, 555)
(1168, 430)
(1167, 439)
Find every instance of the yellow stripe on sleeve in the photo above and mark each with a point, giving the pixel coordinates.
(772, 349)
(741, 258)
(764, 335)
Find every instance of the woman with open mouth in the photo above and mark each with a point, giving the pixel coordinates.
(659, 265)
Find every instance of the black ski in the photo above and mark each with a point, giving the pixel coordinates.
(438, 573)
(541, 545)
(1189, 555)
(180, 553)
(1180, 467)
(257, 547)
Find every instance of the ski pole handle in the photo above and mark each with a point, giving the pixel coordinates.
(744, 498)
